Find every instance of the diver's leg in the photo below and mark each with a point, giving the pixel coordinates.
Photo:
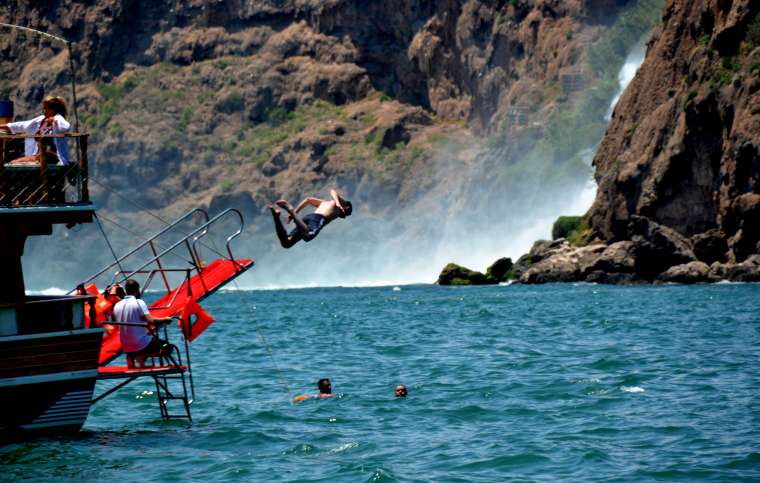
(297, 219)
(285, 240)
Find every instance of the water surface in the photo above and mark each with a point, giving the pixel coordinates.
(524, 383)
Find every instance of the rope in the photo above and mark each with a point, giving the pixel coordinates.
(108, 242)
(146, 210)
(27, 29)
(280, 379)
(140, 237)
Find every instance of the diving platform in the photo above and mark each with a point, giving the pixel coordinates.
(177, 278)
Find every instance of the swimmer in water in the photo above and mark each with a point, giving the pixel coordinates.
(325, 391)
(308, 227)
(401, 390)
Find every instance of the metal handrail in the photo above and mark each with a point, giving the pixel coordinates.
(198, 232)
(44, 136)
(229, 238)
(42, 192)
(150, 240)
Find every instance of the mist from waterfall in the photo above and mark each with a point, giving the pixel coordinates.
(467, 218)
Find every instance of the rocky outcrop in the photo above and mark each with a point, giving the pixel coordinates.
(688, 273)
(746, 271)
(500, 270)
(678, 170)
(558, 261)
(453, 274)
(683, 146)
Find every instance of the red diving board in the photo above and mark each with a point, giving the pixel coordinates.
(211, 278)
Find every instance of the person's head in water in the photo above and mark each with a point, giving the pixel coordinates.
(401, 390)
(132, 288)
(324, 386)
(347, 208)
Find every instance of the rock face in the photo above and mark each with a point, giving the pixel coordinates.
(239, 103)
(683, 146)
(678, 170)
(283, 98)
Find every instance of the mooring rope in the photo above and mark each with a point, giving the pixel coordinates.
(143, 209)
(108, 242)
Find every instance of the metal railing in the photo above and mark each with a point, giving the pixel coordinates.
(157, 263)
(36, 182)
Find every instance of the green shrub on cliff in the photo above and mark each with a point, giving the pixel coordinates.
(572, 228)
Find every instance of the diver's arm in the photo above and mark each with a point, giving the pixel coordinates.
(336, 199)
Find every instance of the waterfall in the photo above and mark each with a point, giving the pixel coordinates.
(468, 217)
(632, 63)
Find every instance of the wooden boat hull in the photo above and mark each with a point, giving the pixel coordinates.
(47, 381)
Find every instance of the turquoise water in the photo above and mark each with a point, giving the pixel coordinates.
(519, 383)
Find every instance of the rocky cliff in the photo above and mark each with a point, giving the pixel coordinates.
(678, 171)
(238, 103)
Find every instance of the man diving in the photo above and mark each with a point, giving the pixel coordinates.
(310, 225)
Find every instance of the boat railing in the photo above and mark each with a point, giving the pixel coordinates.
(40, 314)
(160, 263)
(151, 243)
(34, 182)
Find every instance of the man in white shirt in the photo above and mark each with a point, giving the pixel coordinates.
(136, 339)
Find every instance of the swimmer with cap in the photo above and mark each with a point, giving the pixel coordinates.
(401, 390)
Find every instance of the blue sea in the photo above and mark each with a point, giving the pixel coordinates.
(506, 383)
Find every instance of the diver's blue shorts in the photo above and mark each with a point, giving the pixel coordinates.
(314, 222)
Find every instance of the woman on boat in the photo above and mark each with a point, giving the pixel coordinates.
(52, 121)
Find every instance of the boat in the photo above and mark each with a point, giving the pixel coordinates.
(54, 349)
(48, 356)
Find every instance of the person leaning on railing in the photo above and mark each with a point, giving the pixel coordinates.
(52, 121)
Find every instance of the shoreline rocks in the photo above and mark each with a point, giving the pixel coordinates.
(655, 254)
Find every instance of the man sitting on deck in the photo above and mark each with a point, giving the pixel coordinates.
(136, 338)
(310, 225)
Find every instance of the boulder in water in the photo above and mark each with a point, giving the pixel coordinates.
(500, 269)
(453, 274)
(688, 273)
(746, 271)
